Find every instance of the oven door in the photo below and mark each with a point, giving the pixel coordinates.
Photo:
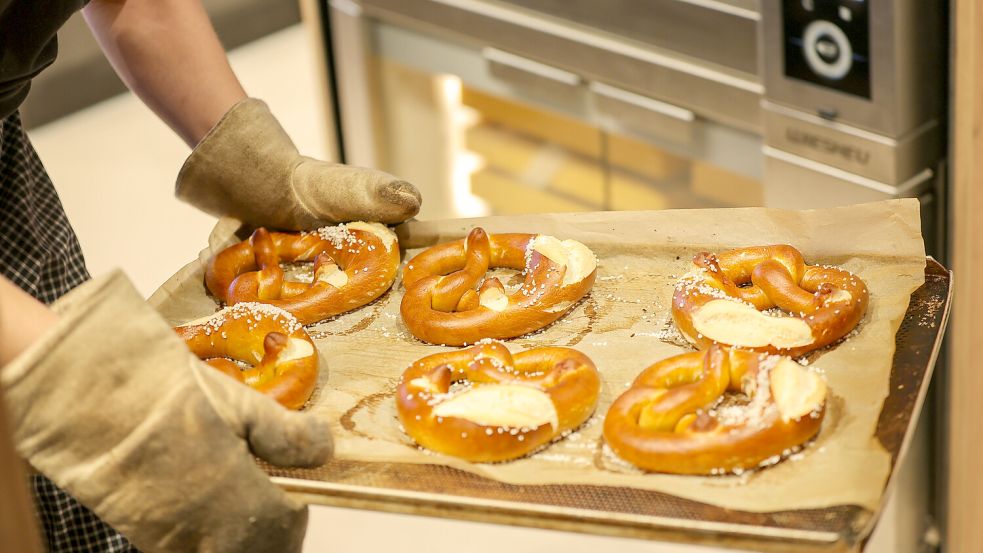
(483, 129)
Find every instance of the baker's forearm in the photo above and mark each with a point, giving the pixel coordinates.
(166, 51)
(23, 320)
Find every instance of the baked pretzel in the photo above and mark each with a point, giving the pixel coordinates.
(444, 303)
(353, 265)
(672, 420)
(509, 406)
(283, 357)
(721, 302)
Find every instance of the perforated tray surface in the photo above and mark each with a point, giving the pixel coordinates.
(442, 491)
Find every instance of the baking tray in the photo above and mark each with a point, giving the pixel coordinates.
(441, 491)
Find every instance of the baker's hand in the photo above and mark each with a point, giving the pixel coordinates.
(112, 406)
(246, 167)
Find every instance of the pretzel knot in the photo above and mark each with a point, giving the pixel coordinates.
(353, 265)
(502, 406)
(672, 418)
(721, 301)
(444, 303)
(283, 359)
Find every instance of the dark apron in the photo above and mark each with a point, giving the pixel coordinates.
(40, 254)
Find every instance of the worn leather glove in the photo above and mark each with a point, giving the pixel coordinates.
(112, 406)
(246, 167)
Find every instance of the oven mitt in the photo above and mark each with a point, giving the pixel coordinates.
(247, 167)
(112, 407)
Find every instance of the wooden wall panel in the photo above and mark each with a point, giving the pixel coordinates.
(964, 497)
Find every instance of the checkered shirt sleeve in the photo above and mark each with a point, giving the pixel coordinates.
(40, 253)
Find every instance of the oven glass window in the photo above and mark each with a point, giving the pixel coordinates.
(477, 144)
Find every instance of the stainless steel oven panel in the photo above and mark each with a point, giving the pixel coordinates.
(795, 182)
(907, 60)
(889, 160)
(531, 79)
(675, 25)
(676, 130)
(723, 96)
(644, 115)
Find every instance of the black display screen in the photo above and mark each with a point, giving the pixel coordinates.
(827, 43)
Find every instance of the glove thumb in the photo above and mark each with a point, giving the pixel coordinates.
(274, 434)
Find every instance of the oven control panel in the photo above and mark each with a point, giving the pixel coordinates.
(827, 43)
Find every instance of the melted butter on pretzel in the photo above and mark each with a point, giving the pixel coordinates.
(576, 257)
(333, 275)
(385, 234)
(494, 299)
(797, 390)
(739, 324)
(308, 255)
(840, 296)
(424, 383)
(297, 348)
(507, 405)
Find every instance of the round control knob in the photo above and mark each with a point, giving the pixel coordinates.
(827, 49)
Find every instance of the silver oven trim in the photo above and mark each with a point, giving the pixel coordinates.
(347, 7)
(832, 125)
(732, 98)
(724, 7)
(643, 102)
(520, 63)
(576, 35)
(886, 159)
(908, 188)
(679, 27)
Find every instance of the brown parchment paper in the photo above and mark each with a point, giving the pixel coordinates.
(622, 326)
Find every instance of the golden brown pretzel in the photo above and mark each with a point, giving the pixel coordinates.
(516, 403)
(443, 303)
(720, 302)
(670, 419)
(284, 359)
(353, 265)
